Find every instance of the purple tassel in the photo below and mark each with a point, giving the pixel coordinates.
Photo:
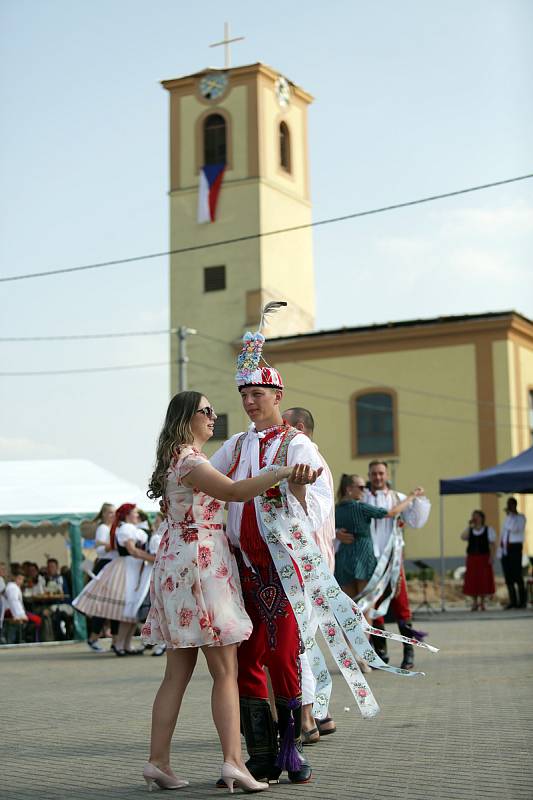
(288, 757)
(411, 633)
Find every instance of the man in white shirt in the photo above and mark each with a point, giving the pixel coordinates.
(14, 601)
(302, 420)
(510, 550)
(415, 516)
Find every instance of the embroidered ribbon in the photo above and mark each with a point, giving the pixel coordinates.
(339, 618)
(387, 572)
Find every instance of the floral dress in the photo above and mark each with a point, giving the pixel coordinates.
(195, 591)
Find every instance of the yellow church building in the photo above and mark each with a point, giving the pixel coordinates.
(435, 398)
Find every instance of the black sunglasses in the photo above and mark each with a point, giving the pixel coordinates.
(207, 411)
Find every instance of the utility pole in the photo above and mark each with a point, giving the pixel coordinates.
(182, 333)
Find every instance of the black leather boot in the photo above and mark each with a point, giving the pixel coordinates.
(260, 737)
(291, 755)
(380, 644)
(406, 629)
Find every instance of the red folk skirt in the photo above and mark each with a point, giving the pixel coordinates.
(479, 577)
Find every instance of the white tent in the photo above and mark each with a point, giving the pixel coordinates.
(41, 497)
(61, 487)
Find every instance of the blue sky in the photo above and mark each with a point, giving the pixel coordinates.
(412, 99)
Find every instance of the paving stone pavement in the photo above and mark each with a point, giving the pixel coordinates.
(78, 724)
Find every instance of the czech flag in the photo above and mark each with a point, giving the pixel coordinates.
(208, 191)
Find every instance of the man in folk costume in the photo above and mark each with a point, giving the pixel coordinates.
(388, 585)
(275, 642)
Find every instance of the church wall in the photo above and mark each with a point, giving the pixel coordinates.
(438, 437)
(524, 384)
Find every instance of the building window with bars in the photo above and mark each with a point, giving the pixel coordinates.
(215, 140)
(284, 147)
(214, 279)
(375, 425)
(220, 432)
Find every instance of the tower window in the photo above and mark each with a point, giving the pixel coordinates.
(214, 279)
(220, 431)
(375, 423)
(284, 146)
(214, 139)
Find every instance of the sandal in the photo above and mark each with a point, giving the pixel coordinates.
(325, 731)
(311, 737)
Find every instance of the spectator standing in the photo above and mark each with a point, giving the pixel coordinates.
(510, 550)
(479, 576)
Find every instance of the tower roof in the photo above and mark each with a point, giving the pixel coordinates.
(248, 69)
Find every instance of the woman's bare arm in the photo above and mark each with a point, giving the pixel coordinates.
(213, 483)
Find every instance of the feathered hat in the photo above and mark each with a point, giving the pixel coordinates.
(250, 372)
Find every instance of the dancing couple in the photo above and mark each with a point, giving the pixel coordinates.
(243, 601)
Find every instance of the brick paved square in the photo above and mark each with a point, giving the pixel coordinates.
(80, 724)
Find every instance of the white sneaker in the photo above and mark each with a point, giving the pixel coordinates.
(95, 646)
(158, 650)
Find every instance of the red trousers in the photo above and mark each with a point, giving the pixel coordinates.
(275, 641)
(399, 605)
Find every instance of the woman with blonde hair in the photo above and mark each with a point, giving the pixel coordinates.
(104, 554)
(195, 589)
(117, 592)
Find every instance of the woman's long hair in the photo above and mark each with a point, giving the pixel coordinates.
(176, 431)
(100, 516)
(345, 482)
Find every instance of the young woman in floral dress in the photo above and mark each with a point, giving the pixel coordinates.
(195, 590)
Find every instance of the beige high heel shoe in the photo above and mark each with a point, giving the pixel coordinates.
(153, 774)
(232, 775)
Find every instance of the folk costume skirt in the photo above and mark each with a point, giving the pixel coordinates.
(479, 576)
(117, 591)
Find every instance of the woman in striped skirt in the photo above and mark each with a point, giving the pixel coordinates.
(118, 590)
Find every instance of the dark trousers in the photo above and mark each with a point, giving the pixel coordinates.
(512, 571)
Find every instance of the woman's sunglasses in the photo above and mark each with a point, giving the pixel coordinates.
(207, 411)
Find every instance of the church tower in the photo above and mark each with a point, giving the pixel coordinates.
(253, 121)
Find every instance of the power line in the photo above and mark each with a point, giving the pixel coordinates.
(81, 370)
(251, 236)
(169, 331)
(402, 412)
(149, 365)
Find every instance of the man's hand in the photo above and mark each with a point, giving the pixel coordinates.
(303, 474)
(344, 536)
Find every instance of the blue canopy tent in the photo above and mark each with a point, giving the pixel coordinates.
(513, 475)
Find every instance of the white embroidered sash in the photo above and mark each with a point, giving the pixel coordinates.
(341, 622)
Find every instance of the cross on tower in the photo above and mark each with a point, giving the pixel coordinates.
(226, 41)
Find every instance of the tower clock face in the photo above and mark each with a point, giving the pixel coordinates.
(213, 85)
(283, 91)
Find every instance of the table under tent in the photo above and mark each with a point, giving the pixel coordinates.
(47, 508)
(512, 476)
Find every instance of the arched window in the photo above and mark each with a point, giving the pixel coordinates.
(284, 146)
(214, 139)
(375, 423)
